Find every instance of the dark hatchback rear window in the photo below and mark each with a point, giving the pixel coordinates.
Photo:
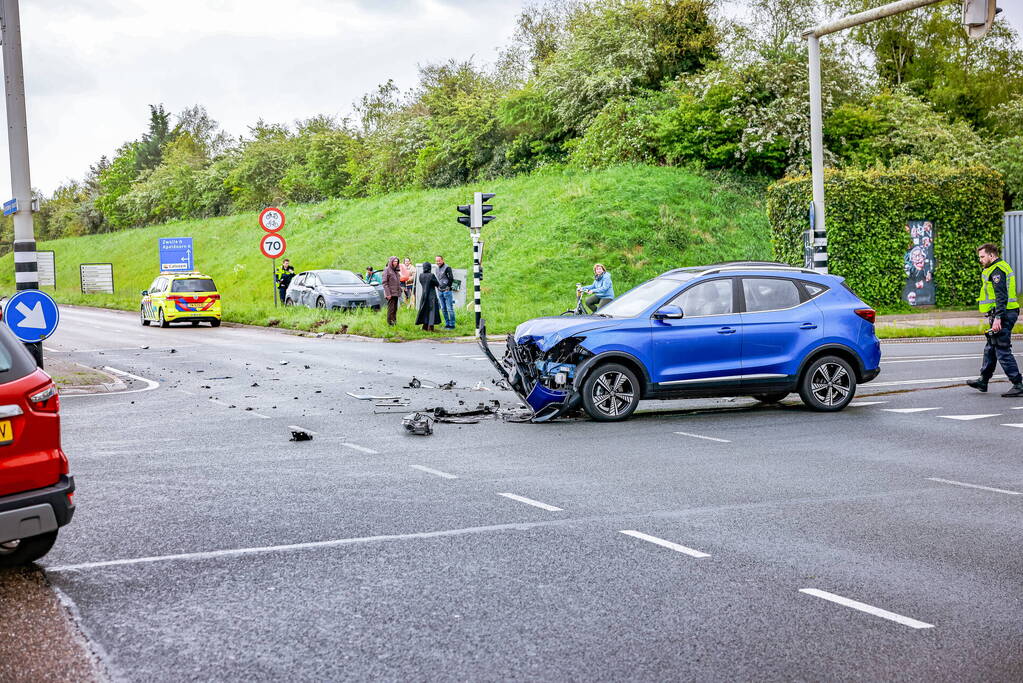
(196, 284)
(15, 360)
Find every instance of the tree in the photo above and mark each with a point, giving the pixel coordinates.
(150, 149)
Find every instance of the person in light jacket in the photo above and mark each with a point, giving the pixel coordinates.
(601, 291)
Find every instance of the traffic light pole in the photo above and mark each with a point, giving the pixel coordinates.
(477, 277)
(26, 274)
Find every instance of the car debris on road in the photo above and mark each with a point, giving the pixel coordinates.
(419, 424)
(299, 434)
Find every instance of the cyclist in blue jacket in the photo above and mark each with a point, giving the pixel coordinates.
(601, 291)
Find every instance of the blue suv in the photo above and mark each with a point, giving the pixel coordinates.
(736, 329)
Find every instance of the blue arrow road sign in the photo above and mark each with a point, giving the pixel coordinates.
(176, 253)
(10, 206)
(32, 315)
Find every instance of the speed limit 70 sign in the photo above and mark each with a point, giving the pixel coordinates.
(272, 245)
(271, 219)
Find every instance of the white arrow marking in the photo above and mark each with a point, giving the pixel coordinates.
(34, 317)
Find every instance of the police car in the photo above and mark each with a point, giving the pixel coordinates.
(181, 297)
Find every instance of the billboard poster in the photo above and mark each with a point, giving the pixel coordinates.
(919, 264)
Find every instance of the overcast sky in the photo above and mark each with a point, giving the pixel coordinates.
(93, 66)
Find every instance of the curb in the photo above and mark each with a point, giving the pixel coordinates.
(112, 387)
(925, 340)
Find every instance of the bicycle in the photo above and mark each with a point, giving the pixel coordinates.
(578, 310)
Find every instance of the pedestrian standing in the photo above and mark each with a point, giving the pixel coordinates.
(998, 300)
(392, 289)
(445, 281)
(429, 304)
(283, 277)
(408, 279)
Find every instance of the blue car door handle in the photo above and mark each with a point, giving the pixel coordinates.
(726, 330)
(808, 326)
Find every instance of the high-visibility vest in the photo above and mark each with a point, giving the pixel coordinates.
(986, 300)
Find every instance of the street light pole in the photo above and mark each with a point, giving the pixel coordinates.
(25, 267)
(819, 237)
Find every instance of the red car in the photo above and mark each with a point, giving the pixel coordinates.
(36, 491)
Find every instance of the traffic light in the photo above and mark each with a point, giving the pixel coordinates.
(475, 214)
(978, 16)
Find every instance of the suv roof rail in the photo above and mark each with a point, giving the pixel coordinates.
(772, 266)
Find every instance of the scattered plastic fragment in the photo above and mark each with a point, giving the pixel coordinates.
(414, 384)
(419, 424)
(299, 434)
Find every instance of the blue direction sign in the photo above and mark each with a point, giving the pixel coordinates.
(176, 253)
(32, 315)
(10, 206)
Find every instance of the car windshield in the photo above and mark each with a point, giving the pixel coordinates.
(639, 298)
(194, 284)
(333, 278)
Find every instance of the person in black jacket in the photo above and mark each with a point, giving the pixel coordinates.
(445, 281)
(284, 276)
(429, 305)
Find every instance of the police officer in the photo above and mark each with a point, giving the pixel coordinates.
(283, 277)
(998, 300)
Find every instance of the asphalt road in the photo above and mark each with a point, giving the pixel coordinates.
(712, 540)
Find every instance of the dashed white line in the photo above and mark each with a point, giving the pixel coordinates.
(259, 415)
(357, 447)
(665, 544)
(430, 470)
(708, 438)
(1013, 424)
(968, 417)
(974, 486)
(935, 380)
(908, 410)
(218, 402)
(864, 607)
(858, 404)
(530, 501)
(189, 393)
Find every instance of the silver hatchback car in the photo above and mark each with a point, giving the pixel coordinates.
(335, 289)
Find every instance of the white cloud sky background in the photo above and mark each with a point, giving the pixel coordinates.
(93, 66)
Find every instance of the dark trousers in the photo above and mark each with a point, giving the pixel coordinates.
(593, 302)
(392, 309)
(999, 349)
(283, 292)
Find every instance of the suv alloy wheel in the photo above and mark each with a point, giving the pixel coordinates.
(610, 393)
(828, 384)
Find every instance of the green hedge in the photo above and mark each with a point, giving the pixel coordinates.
(866, 217)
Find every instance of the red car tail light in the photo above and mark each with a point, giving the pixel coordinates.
(46, 400)
(867, 314)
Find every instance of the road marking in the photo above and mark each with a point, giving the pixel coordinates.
(259, 415)
(357, 447)
(189, 393)
(1017, 408)
(430, 470)
(666, 544)
(218, 402)
(908, 410)
(708, 438)
(864, 607)
(921, 359)
(921, 381)
(974, 486)
(968, 417)
(47, 348)
(1013, 424)
(857, 404)
(238, 552)
(530, 501)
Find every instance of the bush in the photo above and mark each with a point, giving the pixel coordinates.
(866, 217)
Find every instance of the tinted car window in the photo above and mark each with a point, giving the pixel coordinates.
(340, 277)
(707, 298)
(15, 360)
(769, 294)
(194, 284)
(813, 289)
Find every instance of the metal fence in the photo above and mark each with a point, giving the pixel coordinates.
(1012, 244)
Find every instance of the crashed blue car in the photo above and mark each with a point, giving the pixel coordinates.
(755, 329)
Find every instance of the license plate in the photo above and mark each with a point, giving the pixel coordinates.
(6, 433)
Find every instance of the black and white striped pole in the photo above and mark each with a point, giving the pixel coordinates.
(475, 217)
(26, 275)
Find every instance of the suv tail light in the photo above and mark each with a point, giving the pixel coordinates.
(45, 400)
(867, 314)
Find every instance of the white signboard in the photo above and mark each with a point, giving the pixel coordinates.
(97, 278)
(46, 270)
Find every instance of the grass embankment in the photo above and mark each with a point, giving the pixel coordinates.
(550, 228)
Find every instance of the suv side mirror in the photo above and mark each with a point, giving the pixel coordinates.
(145, 292)
(669, 312)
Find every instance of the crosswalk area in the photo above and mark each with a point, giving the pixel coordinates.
(1011, 417)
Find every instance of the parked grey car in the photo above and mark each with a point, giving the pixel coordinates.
(337, 289)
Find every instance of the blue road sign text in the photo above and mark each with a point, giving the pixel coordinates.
(10, 206)
(176, 254)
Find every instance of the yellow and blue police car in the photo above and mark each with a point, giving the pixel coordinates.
(181, 297)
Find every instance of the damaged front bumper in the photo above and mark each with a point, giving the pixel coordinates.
(545, 381)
